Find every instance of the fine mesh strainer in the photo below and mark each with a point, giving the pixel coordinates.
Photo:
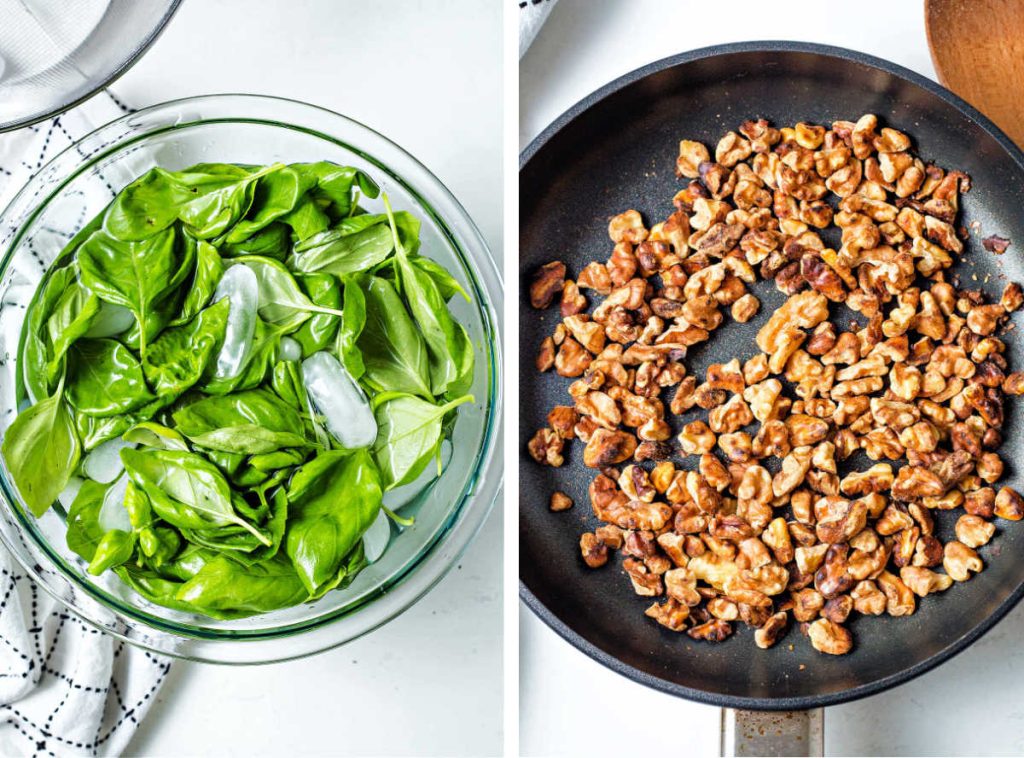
(56, 53)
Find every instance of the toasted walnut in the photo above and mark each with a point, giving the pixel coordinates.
(1009, 504)
(627, 227)
(560, 502)
(715, 630)
(670, 614)
(772, 630)
(959, 561)
(691, 155)
(899, 597)
(923, 581)
(644, 582)
(607, 448)
(610, 535)
(572, 359)
(745, 308)
(732, 149)
(594, 551)
(546, 447)
(696, 438)
(829, 637)
(974, 531)
(547, 283)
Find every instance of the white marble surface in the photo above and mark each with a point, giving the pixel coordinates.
(570, 705)
(429, 683)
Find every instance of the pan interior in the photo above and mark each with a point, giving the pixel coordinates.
(619, 153)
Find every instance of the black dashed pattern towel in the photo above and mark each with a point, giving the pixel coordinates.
(532, 15)
(65, 688)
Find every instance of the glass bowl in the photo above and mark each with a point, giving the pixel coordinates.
(77, 185)
(56, 53)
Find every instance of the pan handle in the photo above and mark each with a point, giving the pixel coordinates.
(793, 733)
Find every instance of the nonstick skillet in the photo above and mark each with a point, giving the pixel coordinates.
(616, 150)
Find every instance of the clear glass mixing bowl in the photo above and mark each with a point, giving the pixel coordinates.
(74, 187)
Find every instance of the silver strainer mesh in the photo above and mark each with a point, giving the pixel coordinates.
(55, 53)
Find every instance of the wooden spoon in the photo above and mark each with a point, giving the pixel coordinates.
(978, 51)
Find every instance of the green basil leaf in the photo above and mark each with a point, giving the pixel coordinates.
(218, 205)
(282, 302)
(275, 196)
(35, 347)
(393, 351)
(70, 320)
(185, 489)
(105, 379)
(353, 321)
(408, 436)
(333, 499)
(135, 275)
(223, 585)
(180, 355)
(115, 547)
(447, 284)
(307, 219)
(84, 531)
(319, 331)
(248, 422)
(151, 434)
(333, 252)
(42, 452)
(450, 351)
(208, 272)
(273, 241)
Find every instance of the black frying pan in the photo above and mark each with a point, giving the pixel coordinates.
(616, 150)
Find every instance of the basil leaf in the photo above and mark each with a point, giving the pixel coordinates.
(333, 499)
(226, 586)
(319, 331)
(84, 531)
(446, 284)
(208, 272)
(393, 351)
(35, 349)
(133, 274)
(114, 548)
(150, 434)
(105, 379)
(42, 452)
(273, 241)
(180, 355)
(334, 252)
(408, 436)
(275, 195)
(70, 320)
(282, 303)
(249, 422)
(448, 345)
(184, 488)
(353, 321)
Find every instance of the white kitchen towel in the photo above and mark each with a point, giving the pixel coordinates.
(65, 688)
(532, 15)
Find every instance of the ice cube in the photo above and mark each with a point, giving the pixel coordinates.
(340, 400)
(109, 321)
(70, 492)
(240, 287)
(113, 514)
(377, 537)
(289, 350)
(104, 463)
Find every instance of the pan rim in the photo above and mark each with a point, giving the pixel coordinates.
(737, 701)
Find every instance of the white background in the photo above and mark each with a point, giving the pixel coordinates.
(427, 75)
(570, 705)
